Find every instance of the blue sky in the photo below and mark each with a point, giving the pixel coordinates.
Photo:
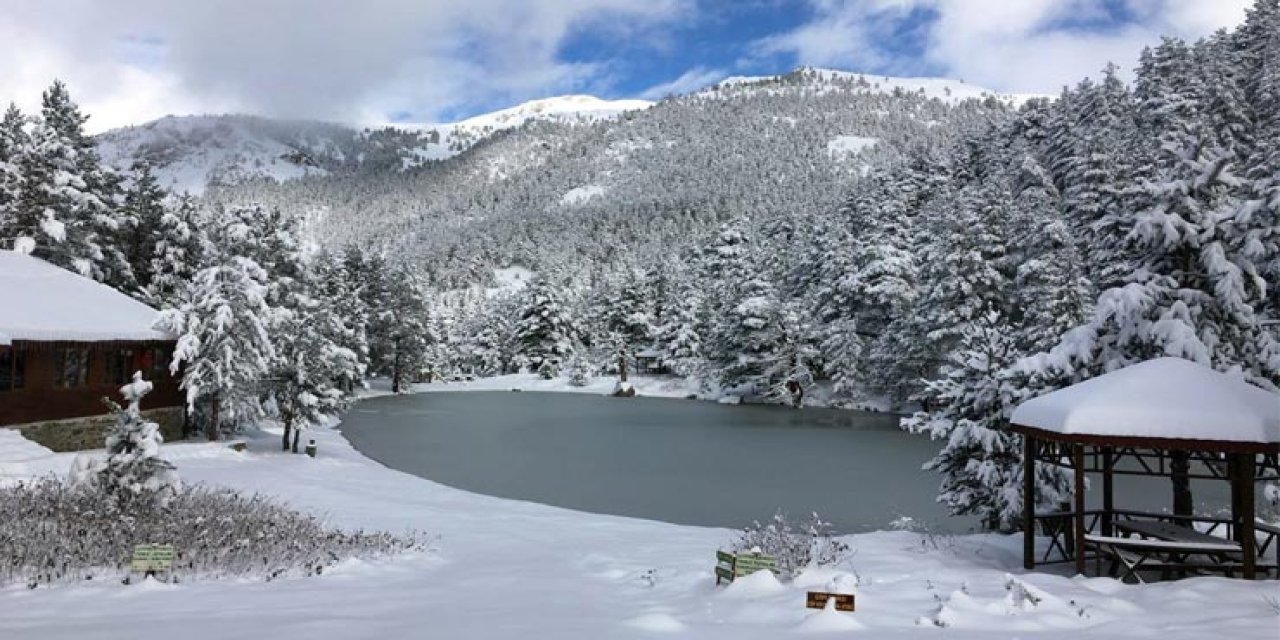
(129, 61)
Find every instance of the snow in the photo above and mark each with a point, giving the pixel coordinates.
(564, 108)
(509, 280)
(843, 146)
(504, 568)
(188, 152)
(944, 89)
(1161, 398)
(580, 195)
(43, 303)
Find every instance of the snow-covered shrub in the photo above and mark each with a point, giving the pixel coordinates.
(579, 372)
(549, 369)
(133, 468)
(793, 545)
(52, 532)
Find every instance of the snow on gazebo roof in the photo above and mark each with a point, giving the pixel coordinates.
(40, 302)
(1166, 398)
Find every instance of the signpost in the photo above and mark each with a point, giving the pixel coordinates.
(730, 566)
(818, 600)
(151, 558)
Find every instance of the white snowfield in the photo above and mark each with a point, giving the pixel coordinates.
(44, 302)
(571, 108)
(509, 569)
(1161, 398)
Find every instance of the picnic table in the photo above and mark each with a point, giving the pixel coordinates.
(1138, 554)
(1167, 531)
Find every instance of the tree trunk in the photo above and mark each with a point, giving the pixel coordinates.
(1180, 467)
(622, 363)
(395, 368)
(211, 424)
(288, 427)
(296, 434)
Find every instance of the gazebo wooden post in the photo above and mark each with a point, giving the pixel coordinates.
(1077, 461)
(1242, 511)
(1108, 491)
(1028, 502)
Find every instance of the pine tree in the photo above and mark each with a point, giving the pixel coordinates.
(133, 468)
(546, 336)
(14, 144)
(141, 224)
(223, 323)
(179, 250)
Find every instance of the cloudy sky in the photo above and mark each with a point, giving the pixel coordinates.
(370, 61)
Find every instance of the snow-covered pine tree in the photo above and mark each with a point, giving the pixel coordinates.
(179, 250)
(141, 224)
(133, 468)
(69, 197)
(546, 336)
(14, 143)
(223, 322)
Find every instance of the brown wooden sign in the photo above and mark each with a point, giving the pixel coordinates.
(818, 600)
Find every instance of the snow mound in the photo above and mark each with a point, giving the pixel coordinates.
(580, 195)
(760, 584)
(1161, 398)
(656, 622)
(829, 620)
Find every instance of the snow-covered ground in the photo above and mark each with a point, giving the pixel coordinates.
(665, 386)
(512, 569)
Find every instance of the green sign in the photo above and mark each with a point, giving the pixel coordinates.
(730, 566)
(149, 558)
(749, 563)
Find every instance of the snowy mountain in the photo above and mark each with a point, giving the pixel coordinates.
(188, 153)
(570, 190)
(944, 89)
(576, 108)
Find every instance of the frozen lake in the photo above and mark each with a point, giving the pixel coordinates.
(679, 461)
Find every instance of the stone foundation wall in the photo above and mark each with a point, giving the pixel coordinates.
(90, 432)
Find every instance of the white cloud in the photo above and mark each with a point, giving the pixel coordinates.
(133, 60)
(1023, 46)
(688, 82)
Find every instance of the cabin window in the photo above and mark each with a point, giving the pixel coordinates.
(13, 369)
(119, 367)
(71, 368)
(155, 363)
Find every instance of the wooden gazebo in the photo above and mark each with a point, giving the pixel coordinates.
(1167, 417)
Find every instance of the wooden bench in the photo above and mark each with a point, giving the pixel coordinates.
(1139, 554)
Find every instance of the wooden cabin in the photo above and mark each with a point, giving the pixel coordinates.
(66, 343)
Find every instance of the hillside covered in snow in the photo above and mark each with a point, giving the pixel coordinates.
(189, 153)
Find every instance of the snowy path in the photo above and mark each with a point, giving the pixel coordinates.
(514, 569)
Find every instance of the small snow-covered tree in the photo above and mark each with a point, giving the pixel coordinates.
(133, 467)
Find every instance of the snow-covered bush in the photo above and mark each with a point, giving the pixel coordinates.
(133, 468)
(579, 372)
(52, 532)
(793, 545)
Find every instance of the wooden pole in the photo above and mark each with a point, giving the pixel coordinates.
(1244, 527)
(1077, 461)
(1028, 502)
(1108, 490)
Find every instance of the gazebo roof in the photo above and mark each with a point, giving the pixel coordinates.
(1162, 399)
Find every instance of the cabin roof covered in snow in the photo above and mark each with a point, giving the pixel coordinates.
(1166, 398)
(43, 303)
